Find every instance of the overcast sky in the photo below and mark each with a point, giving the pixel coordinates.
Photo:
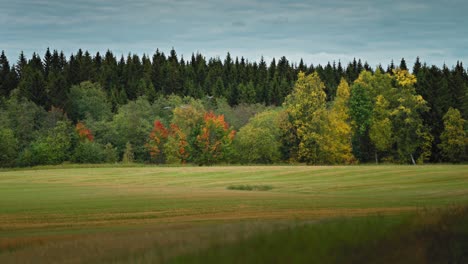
(317, 31)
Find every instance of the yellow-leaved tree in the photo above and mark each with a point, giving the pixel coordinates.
(307, 113)
(336, 147)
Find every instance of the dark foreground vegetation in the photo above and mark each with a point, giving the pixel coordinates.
(170, 110)
(426, 237)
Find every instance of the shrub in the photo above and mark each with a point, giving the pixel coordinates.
(110, 154)
(250, 187)
(8, 148)
(88, 152)
(128, 156)
(49, 149)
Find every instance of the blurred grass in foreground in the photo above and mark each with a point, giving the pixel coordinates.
(430, 236)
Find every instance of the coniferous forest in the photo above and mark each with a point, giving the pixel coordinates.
(166, 109)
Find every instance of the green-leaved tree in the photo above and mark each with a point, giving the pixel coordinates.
(454, 137)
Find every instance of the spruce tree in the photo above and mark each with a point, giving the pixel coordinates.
(32, 86)
(21, 64)
(47, 63)
(417, 66)
(6, 77)
(403, 64)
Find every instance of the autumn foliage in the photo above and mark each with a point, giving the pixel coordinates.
(157, 139)
(177, 145)
(83, 132)
(209, 141)
(214, 140)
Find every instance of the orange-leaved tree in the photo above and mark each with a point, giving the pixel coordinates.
(157, 139)
(177, 146)
(213, 141)
(84, 133)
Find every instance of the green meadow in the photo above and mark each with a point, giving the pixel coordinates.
(147, 214)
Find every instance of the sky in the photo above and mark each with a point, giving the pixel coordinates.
(317, 31)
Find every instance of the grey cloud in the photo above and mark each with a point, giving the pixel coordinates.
(279, 20)
(238, 24)
(318, 31)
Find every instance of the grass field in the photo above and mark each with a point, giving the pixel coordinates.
(151, 214)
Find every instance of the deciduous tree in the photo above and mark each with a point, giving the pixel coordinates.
(177, 147)
(306, 107)
(454, 137)
(336, 146)
(214, 139)
(259, 141)
(156, 142)
(88, 100)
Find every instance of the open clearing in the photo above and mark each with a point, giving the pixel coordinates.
(105, 214)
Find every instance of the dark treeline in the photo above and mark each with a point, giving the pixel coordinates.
(46, 81)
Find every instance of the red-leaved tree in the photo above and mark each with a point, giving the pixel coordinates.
(83, 132)
(157, 139)
(214, 140)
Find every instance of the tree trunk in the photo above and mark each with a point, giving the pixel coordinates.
(376, 158)
(412, 159)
